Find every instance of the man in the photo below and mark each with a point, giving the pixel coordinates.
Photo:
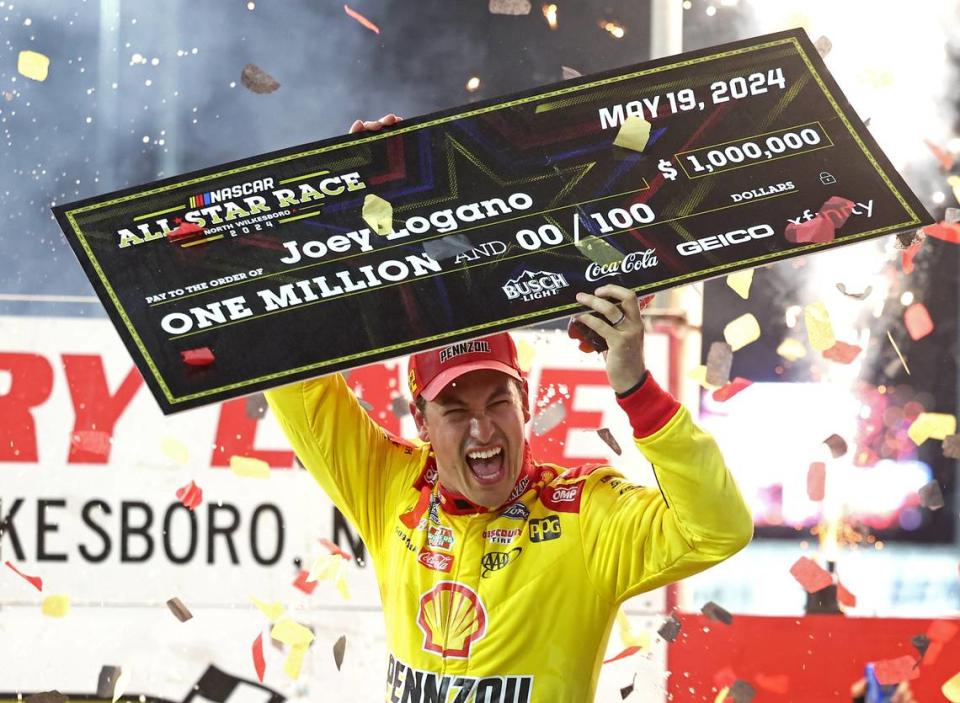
(500, 576)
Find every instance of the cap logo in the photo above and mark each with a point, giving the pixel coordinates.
(455, 350)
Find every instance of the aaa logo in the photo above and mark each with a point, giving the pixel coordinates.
(452, 617)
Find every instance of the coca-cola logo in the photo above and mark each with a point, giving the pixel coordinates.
(435, 560)
(634, 261)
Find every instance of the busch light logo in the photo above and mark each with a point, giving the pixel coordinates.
(533, 286)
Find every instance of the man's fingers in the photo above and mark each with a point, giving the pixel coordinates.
(627, 298)
(357, 126)
(602, 328)
(389, 119)
(609, 310)
(374, 126)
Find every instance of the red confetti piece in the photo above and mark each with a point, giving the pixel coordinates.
(628, 652)
(259, 664)
(908, 255)
(93, 441)
(202, 356)
(186, 230)
(816, 479)
(816, 230)
(942, 631)
(947, 231)
(932, 653)
(890, 672)
(779, 683)
(842, 353)
(811, 575)
(34, 581)
(190, 495)
(845, 597)
(918, 322)
(361, 19)
(727, 391)
(945, 158)
(301, 582)
(837, 210)
(725, 677)
(334, 549)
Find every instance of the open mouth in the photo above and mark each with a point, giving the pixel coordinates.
(486, 465)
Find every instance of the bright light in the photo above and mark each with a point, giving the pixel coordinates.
(473, 84)
(687, 4)
(954, 145)
(615, 29)
(711, 11)
(906, 298)
(938, 197)
(550, 13)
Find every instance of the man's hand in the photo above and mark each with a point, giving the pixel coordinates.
(903, 693)
(621, 326)
(375, 126)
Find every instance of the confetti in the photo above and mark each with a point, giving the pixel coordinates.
(823, 46)
(627, 690)
(899, 354)
(722, 695)
(175, 450)
(569, 73)
(856, 296)
(248, 467)
(607, 436)
(628, 652)
(106, 681)
(273, 611)
(905, 240)
(342, 588)
(179, 609)
(951, 446)
(335, 549)
(810, 575)
(943, 156)
(93, 441)
(719, 362)
(890, 672)
(740, 282)
(779, 683)
(931, 425)
(921, 642)
(400, 407)
(947, 232)
(741, 331)
(731, 389)
(55, 606)
(951, 689)
(291, 633)
(294, 662)
(837, 445)
(449, 247)
(598, 250)
(908, 255)
(378, 214)
(627, 634)
(815, 230)
(742, 692)
(526, 353)
(837, 210)
(47, 697)
(699, 374)
(256, 80)
(931, 497)
(256, 407)
(325, 568)
(842, 353)
(792, 349)
(918, 322)
(361, 19)
(634, 134)
(303, 583)
(716, 612)
(34, 581)
(190, 495)
(845, 597)
(670, 629)
(819, 328)
(816, 480)
(184, 231)
(338, 649)
(510, 7)
(942, 631)
(951, 216)
(259, 663)
(548, 418)
(120, 685)
(202, 356)
(954, 182)
(33, 65)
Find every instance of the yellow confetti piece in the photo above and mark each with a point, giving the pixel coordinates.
(526, 353)
(932, 426)
(55, 606)
(175, 449)
(633, 134)
(120, 685)
(273, 611)
(247, 467)
(628, 636)
(294, 662)
(342, 587)
(792, 349)
(951, 689)
(742, 331)
(899, 354)
(378, 214)
(598, 250)
(954, 182)
(741, 282)
(722, 696)
(699, 374)
(33, 65)
(291, 633)
(325, 568)
(819, 327)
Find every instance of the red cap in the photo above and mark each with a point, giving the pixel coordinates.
(431, 371)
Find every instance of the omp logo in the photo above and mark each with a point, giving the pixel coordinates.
(545, 529)
(494, 561)
(532, 286)
(452, 617)
(565, 499)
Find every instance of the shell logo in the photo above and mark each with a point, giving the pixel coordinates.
(452, 617)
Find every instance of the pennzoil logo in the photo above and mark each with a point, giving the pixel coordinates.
(454, 350)
(452, 617)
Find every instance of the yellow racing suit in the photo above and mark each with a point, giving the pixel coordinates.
(514, 605)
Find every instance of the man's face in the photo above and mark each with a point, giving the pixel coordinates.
(476, 426)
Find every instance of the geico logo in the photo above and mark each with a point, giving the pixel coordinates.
(718, 241)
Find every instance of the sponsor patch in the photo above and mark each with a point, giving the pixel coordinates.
(495, 561)
(517, 511)
(501, 535)
(440, 537)
(563, 498)
(435, 560)
(544, 529)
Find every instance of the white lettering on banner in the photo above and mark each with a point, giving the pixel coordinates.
(634, 261)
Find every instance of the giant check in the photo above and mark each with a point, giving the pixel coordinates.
(491, 216)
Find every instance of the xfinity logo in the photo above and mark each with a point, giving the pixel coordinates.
(634, 261)
(533, 286)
